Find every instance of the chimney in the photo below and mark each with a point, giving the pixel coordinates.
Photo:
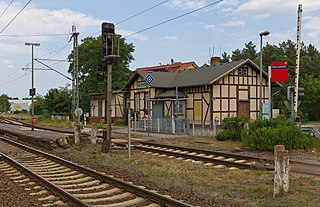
(172, 61)
(215, 61)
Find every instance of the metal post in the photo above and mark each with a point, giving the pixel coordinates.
(265, 33)
(129, 134)
(32, 81)
(269, 92)
(149, 110)
(106, 144)
(32, 86)
(135, 124)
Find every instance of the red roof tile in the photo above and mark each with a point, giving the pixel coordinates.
(171, 67)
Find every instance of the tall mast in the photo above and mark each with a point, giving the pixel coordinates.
(296, 80)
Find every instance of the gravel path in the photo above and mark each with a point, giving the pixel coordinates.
(13, 195)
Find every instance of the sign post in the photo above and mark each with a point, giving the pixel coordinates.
(149, 79)
(278, 72)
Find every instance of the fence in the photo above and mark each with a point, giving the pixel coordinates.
(178, 126)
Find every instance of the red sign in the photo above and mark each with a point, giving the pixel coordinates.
(279, 71)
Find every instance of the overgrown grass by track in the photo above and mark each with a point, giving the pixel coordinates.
(196, 183)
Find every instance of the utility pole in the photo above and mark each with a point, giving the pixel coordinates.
(75, 71)
(108, 55)
(32, 91)
(296, 80)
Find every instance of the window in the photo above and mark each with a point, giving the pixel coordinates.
(137, 102)
(245, 71)
(181, 108)
(239, 71)
(146, 101)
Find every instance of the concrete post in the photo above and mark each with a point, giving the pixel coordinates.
(93, 136)
(281, 173)
(77, 130)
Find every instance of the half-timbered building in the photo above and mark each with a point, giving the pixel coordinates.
(201, 95)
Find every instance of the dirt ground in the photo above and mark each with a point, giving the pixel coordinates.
(195, 183)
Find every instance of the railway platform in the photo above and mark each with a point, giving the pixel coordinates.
(41, 137)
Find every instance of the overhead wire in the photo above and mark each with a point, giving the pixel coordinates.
(135, 15)
(174, 18)
(148, 9)
(4, 11)
(15, 16)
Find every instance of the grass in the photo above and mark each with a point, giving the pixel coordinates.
(197, 183)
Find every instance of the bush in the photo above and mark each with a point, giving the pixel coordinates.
(232, 127)
(264, 134)
(228, 134)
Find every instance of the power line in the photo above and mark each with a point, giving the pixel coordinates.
(31, 35)
(16, 16)
(177, 17)
(141, 12)
(6, 8)
(137, 14)
(6, 83)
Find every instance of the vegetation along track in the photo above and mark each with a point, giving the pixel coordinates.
(246, 162)
(223, 159)
(73, 184)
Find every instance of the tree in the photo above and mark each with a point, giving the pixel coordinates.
(225, 58)
(93, 81)
(58, 100)
(309, 71)
(248, 52)
(4, 103)
(40, 105)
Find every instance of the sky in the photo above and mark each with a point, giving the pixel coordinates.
(222, 27)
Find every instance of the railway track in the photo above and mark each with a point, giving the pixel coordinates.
(62, 182)
(208, 157)
(221, 159)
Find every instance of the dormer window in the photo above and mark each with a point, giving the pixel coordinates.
(243, 71)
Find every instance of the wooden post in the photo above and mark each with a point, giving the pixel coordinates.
(93, 136)
(281, 171)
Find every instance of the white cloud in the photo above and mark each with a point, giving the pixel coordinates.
(169, 38)
(187, 4)
(261, 16)
(34, 20)
(234, 23)
(312, 24)
(263, 6)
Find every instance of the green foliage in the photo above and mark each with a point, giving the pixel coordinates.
(93, 81)
(232, 128)
(58, 101)
(4, 103)
(264, 134)
(101, 126)
(309, 72)
(40, 105)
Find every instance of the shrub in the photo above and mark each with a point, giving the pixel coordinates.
(232, 127)
(264, 134)
(228, 134)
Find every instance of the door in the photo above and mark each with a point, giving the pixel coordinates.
(157, 110)
(197, 112)
(244, 108)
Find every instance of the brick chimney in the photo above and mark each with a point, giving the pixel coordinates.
(215, 61)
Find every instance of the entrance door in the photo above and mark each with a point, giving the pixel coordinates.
(244, 108)
(197, 107)
(157, 110)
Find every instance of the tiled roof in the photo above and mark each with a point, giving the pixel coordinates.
(206, 75)
(177, 66)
